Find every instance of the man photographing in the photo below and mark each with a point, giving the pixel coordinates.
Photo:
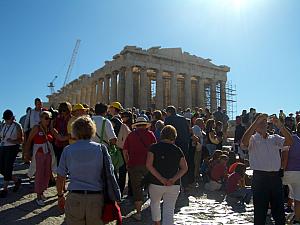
(264, 156)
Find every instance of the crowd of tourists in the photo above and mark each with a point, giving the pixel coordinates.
(105, 150)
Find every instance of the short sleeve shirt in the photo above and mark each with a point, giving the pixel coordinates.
(264, 153)
(137, 145)
(108, 130)
(166, 161)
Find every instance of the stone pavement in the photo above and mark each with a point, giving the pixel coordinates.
(194, 207)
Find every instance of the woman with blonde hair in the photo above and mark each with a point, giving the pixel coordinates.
(166, 164)
(43, 159)
(85, 161)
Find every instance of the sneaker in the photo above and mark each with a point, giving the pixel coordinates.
(40, 202)
(137, 216)
(17, 185)
(3, 193)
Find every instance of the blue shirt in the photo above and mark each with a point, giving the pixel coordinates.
(83, 160)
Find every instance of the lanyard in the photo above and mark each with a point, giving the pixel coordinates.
(6, 129)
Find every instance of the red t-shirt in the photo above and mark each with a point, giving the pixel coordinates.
(137, 144)
(40, 137)
(232, 182)
(217, 172)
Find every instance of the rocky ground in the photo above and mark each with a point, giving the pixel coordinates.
(193, 207)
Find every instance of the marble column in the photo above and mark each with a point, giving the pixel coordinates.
(201, 93)
(74, 98)
(187, 91)
(99, 90)
(213, 96)
(174, 86)
(144, 84)
(121, 86)
(83, 95)
(93, 94)
(106, 89)
(128, 88)
(78, 96)
(223, 94)
(159, 104)
(113, 87)
(88, 95)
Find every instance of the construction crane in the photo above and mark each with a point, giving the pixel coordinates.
(51, 85)
(72, 61)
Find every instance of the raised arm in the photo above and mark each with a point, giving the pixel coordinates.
(288, 137)
(249, 132)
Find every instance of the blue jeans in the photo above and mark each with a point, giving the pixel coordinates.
(244, 194)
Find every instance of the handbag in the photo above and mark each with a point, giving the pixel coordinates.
(114, 152)
(111, 210)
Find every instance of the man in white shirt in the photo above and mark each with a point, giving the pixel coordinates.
(264, 156)
(33, 116)
(109, 135)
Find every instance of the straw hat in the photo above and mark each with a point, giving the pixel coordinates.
(141, 121)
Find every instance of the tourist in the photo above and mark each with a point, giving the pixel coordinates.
(166, 164)
(207, 114)
(109, 136)
(238, 134)
(281, 116)
(135, 154)
(11, 136)
(43, 158)
(183, 133)
(211, 137)
(194, 118)
(77, 111)
(218, 174)
(127, 119)
(198, 132)
(218, 115)
(23, 118)
(83, 161)
(157, 115)
(159, 125)
(60, 123)
(292, 173)
(114, 111)
(188, 114)
(33, 117)
(265, 162)
(220, 134)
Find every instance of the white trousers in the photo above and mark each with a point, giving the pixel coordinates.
(169, 195)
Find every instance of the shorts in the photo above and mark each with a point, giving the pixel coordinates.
(137, 174)
(292, 179)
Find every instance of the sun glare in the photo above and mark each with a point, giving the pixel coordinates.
(237, 4)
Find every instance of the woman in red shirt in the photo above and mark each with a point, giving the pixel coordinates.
(43, 158)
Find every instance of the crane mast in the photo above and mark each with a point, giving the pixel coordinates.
(72, 61)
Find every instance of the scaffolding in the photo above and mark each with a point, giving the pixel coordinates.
(231, 100)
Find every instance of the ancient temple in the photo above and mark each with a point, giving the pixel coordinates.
(150, 78)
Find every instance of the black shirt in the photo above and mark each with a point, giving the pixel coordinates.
(238, 134)
(166, 161)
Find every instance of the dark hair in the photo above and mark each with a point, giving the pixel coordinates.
(100, 108)
(171, 109)
(157, 114)
(65, 106)
(37, 100)
(240, 169)
(8, 114)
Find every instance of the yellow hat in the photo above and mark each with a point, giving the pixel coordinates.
(78, 107)
(116, 105)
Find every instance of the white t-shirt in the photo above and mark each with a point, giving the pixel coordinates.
(9, 131)
(108, 131)
(264, 153)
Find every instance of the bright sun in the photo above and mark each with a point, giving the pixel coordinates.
(237, 4)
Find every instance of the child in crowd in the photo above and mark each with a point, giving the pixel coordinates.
(218, 174)
(235, 186)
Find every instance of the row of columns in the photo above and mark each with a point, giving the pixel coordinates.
(114, 87)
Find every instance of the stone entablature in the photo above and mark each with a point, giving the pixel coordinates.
(154, 78)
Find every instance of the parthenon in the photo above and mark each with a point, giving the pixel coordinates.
(150, 78)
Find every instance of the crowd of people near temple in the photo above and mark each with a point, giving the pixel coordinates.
(164, 152)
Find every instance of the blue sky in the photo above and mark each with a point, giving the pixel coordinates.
(258, 39)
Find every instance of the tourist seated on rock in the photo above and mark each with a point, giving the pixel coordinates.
(235, 185)
(218, 175)
(214, 159)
